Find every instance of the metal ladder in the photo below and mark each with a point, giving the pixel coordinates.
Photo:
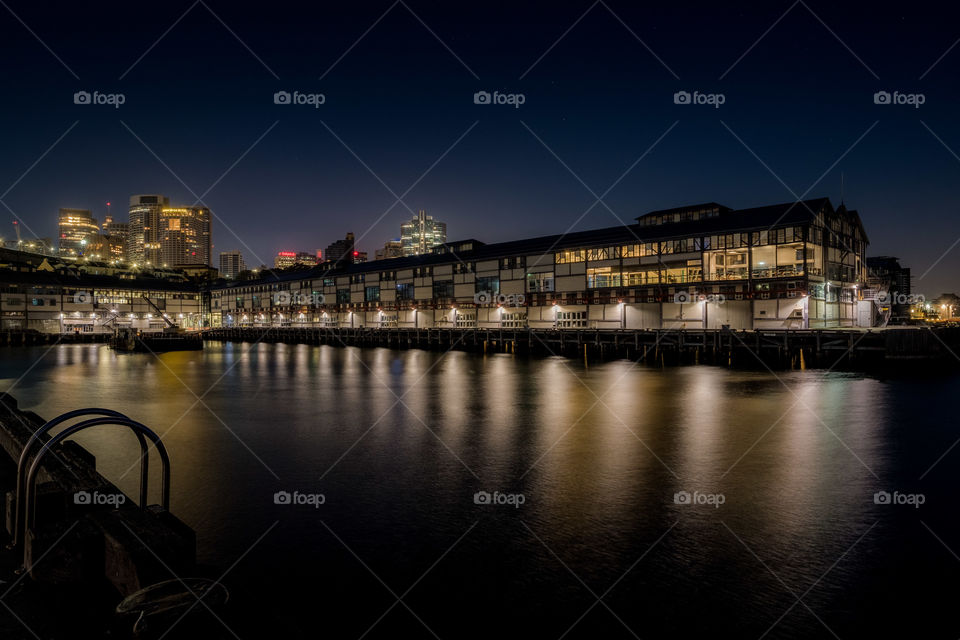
(25, 507)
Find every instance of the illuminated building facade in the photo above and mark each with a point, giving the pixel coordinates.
(792, 265)
(52, 302)
(421, 233)
(185, 236)
(143, 241)
(113, 239)
(78, 231)
(287, 259)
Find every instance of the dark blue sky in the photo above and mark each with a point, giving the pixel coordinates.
(800, 99)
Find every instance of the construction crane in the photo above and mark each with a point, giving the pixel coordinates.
(170, 324)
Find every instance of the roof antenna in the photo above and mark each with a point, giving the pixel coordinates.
(841, 188)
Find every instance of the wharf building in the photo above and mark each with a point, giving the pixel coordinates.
(54, 302)
(792, 265)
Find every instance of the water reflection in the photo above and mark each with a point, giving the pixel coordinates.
(400, 440)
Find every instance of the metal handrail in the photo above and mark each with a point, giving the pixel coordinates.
(30, 499)
(35, 437)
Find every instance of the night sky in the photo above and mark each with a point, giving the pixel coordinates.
(400, 104)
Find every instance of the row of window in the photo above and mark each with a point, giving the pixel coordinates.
(679, 216)
(683, 245)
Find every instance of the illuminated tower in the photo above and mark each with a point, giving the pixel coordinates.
(143, 241)
(185, 236)
(77, 230)
(421, 233)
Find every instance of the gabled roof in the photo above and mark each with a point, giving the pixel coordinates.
(692, 207)
(76, 280)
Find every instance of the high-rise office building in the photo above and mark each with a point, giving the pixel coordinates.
(341, 250)
(143, 240)
(114, 238)
(185, 236)
(392, 249)
(421, 233)
(231, 264)
(78, 229)
(111, 227)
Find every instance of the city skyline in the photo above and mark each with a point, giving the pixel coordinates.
(419, 237)
(493, 170)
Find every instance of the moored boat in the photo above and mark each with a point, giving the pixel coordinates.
(131, 340)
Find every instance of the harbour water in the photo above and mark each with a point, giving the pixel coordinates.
(340, 487)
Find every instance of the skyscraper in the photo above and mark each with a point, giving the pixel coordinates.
(231, 264)
(77, 230)
(185, 236)
(341, 250)
(421, 233)
(114, 238)
(113, 228)
(143, 241)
